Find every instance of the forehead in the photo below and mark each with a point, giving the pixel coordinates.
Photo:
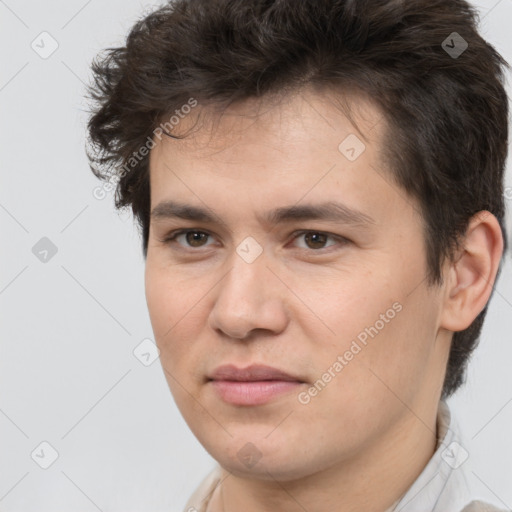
(286, 147)
(292, 121)
(253, 163)
(307, 143)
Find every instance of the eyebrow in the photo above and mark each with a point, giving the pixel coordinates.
(330, 211)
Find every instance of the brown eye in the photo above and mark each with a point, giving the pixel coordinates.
(193, 238)
(315, 240)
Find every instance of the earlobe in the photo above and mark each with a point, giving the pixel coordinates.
(473, 273)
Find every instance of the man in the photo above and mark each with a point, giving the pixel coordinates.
(319, 186)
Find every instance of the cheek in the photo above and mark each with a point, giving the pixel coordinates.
(168, 298)
(169, 312)
(354, 308)
(178, 310)
(378, 330)
(158, 299)
(394, 353)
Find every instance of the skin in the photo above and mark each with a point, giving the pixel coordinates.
(360, 443)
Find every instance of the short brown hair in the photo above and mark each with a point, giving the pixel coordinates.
(439, 83)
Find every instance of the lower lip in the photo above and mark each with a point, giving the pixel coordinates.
(252, 393)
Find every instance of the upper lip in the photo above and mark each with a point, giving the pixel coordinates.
(256, 372)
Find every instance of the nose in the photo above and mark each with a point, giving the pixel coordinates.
(249, 297)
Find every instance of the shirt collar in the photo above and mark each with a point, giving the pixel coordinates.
(443, 483)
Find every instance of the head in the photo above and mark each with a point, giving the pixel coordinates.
(238, 109)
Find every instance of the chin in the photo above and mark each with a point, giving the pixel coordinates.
(253, 456)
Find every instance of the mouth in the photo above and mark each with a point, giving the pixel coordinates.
(254, 385)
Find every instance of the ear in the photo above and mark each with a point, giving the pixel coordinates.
(472, 275)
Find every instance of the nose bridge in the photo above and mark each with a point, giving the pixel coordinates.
(246, 298)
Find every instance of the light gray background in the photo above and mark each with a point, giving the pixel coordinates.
(69, 326)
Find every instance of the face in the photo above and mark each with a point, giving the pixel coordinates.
(339, 303)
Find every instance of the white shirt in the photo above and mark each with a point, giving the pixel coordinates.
(441, 487)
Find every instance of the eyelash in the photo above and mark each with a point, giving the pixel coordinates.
(174, 234)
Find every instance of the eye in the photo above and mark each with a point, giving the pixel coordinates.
(315, 240)
(191, 236)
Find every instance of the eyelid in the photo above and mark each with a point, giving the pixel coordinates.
(170, 237)
(340, 239)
